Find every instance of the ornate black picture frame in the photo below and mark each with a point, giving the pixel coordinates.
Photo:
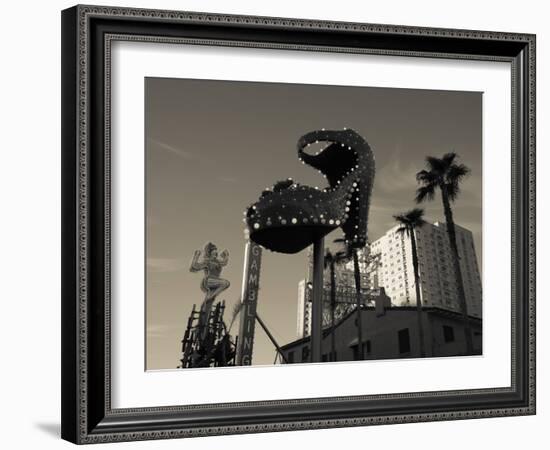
(87, 34)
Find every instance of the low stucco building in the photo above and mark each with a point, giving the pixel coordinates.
(391, 332)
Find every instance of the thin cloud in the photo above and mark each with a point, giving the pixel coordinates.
(174, 150)
(158, 331)
(166, 264)
(396, 176)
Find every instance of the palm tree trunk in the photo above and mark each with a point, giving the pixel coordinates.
(357, 277)
(417, 289)
(332, 312)
(458, 273)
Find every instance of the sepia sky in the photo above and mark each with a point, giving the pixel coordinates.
(213, 146)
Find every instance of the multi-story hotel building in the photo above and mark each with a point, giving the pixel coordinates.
(436, 272)
(394, 272)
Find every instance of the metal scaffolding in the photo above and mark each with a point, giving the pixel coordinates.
(206, 341)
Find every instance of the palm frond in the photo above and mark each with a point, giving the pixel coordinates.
(456, 173)
(444, 173)
(341, 256)
(345, 247)
(448, 160)
(454, 176)
(416, 217)
(401, 218)
(435, 165)
(425, 193)
(452, 189)
(329, 258)
(410, 220)
(426, 177)
(403, 230)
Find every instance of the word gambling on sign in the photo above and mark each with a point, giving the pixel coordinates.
(251, 280)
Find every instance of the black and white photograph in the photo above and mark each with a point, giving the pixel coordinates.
(295, 223)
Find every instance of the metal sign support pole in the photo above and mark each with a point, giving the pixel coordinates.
(317, 299)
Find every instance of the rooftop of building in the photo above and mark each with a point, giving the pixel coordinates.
(437, 224)
(428, 309)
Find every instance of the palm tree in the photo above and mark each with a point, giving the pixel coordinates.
(410, 221)
(330, 262)
(446, 174)
(352, 254)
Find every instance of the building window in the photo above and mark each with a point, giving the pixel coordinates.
(355, 350)
(305, 354)
(366, 350)
(448, 333)
(404, 341)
